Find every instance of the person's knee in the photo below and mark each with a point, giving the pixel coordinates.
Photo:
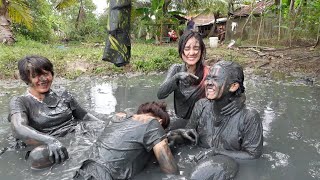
(39, 158)
(217, 167)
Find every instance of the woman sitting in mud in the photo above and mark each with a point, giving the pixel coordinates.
(40, 116)
(124, 147)
(236, 134)
(186, 80)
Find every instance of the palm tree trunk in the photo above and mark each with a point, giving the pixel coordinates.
(6, 34)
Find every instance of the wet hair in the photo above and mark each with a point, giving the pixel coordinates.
(235, 74)
(158, 109)
(188, 34)
(33, 65)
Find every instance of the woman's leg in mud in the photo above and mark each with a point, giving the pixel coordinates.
(39, 158)
(217, 167)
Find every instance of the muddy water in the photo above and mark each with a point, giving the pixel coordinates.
(290, 114)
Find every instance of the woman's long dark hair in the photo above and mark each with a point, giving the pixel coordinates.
(158, 109)
(200, 64)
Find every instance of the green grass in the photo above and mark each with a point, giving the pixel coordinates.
(145, 57)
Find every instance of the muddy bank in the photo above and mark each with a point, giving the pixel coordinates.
(295, 64)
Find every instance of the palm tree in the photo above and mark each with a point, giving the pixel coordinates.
(16, 11)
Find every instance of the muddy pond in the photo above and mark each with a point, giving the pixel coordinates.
(290, 114)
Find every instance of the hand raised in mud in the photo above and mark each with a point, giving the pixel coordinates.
(204, 154)
(183, 75)
(57, 152)
(234, 106)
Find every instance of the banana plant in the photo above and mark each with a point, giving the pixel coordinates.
(16, 11)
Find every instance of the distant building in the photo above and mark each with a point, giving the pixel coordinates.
(240, 27)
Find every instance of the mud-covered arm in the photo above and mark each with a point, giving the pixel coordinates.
(165, 157)
(19, 123)
(170, 83)
(252, 139)
(77, 111)
(24, 132)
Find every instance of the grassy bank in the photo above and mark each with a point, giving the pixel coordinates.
(72, 60)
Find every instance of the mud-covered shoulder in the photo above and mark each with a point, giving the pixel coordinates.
(251, 116)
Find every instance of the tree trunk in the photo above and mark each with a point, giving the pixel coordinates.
(118, 46)
(277, 2)
(6, 34)
(292, 6)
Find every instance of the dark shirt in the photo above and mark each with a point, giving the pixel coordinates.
(124, 146)
(240, 132)
(55, 115)
(190, 25)
(185, 94)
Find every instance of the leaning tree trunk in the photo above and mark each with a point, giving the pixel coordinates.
(118, 47)
(6, 34)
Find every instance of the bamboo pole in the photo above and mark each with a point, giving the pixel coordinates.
(261, 20)
(279, 25)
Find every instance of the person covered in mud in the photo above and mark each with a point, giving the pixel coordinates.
(186, 80)
(125, 146)
(237, 134)
(40, 116)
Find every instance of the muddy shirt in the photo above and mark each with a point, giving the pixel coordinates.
(185, 94)
(55, 115)
(124, 146)
(240, 132)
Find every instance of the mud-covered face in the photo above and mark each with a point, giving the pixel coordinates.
(41, 83)
(191, 52)
(216, 83)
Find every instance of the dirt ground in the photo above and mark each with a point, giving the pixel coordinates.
(299, 62)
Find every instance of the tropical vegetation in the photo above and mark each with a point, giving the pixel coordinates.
(41, 27)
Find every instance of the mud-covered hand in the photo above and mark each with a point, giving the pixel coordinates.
(235, 106)
(190, 134)
(57, 152)
(183, 75)
(204, 154)
(173, 137)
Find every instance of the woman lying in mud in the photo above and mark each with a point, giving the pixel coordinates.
(40, 116)
(186, 80)
(237, 134)
(124, 147)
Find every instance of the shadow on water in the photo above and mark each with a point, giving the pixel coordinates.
(290, 114)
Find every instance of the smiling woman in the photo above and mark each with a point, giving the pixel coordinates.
(186, 80)
(42, 115)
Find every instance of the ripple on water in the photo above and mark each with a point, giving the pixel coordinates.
(279, 159)
(314, 170)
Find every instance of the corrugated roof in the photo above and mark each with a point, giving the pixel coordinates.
(203, 19)
(258, 8)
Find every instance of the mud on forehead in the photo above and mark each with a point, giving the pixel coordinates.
(217, 70)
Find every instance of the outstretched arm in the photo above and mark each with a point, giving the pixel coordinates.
(21, 130)
(165, 157)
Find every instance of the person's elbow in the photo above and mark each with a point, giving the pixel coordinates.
(255, 155)
(161, 95)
